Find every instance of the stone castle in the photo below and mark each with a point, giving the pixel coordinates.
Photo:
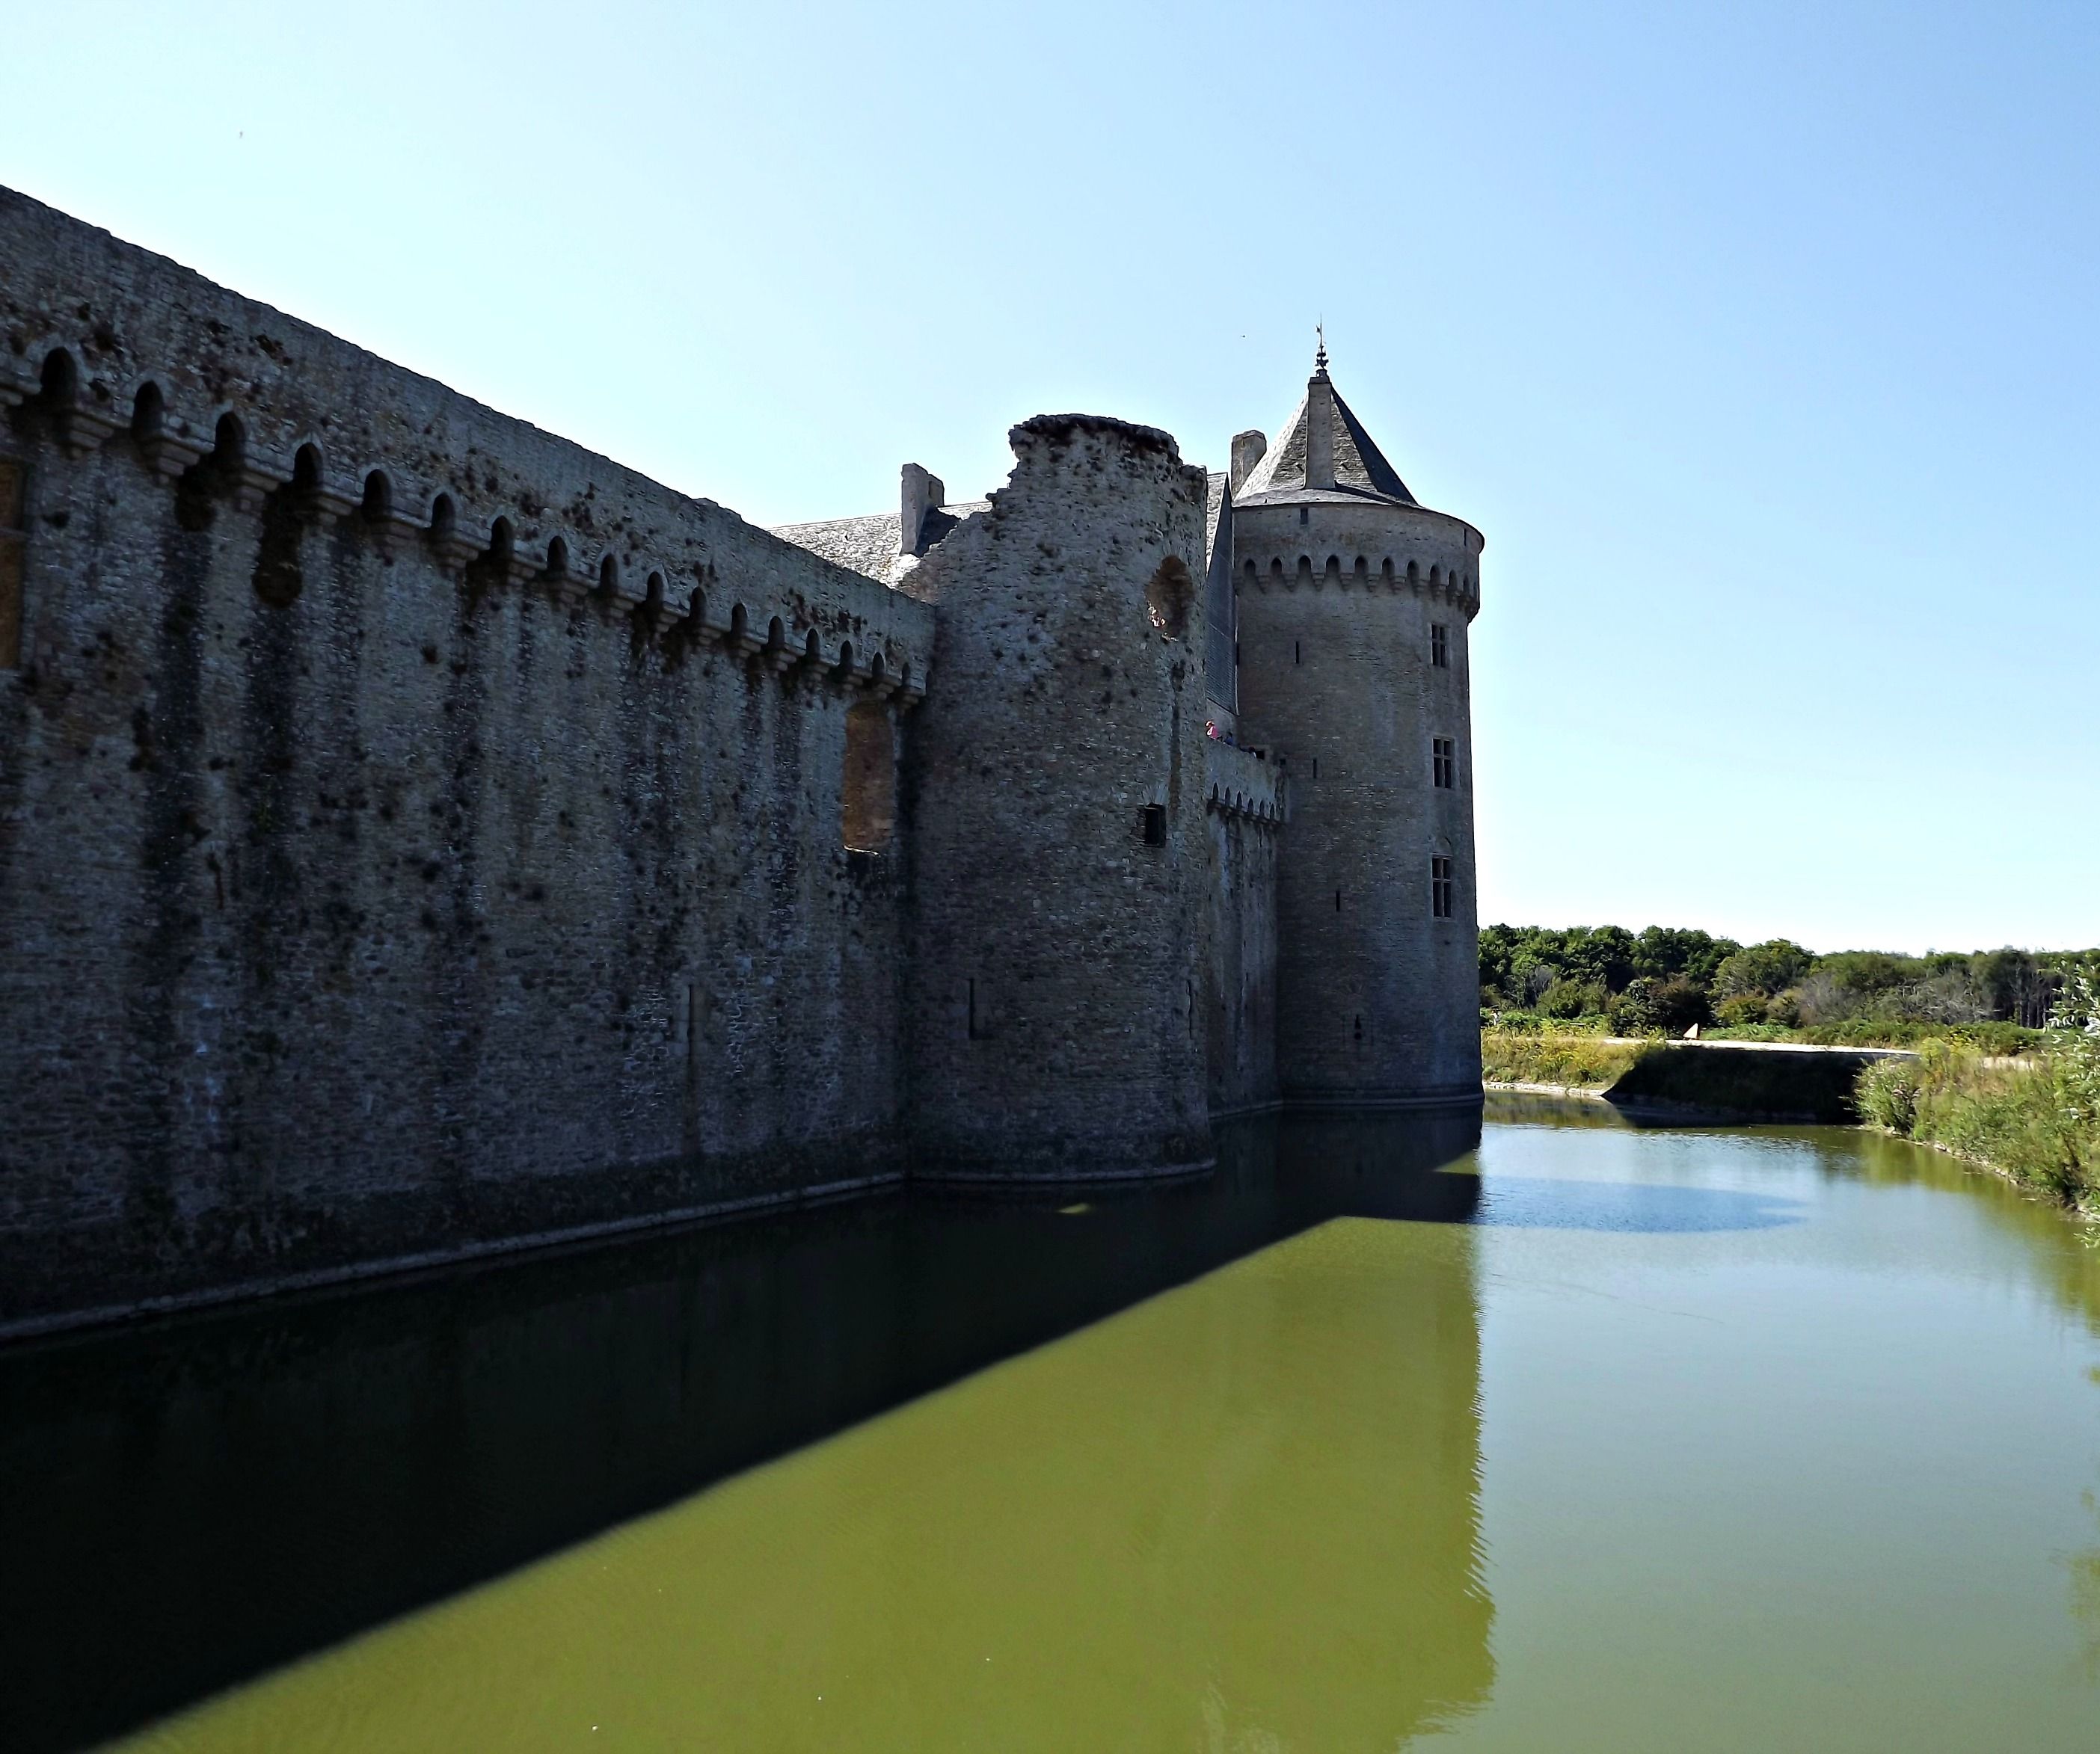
(421, 837)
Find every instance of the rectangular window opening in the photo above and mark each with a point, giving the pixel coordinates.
(1440, 887)
(1444, 762)
(693, 1037)
(1155, 825)
(867, 781)
(1440, 646)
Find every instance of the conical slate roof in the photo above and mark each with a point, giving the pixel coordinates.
(1360, 466)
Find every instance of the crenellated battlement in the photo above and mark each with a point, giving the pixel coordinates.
(1240, 783)
(422, 836)
(1266, 568)
(114, 346)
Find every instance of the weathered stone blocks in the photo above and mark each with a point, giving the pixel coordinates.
(421, 837)
(1055, 797)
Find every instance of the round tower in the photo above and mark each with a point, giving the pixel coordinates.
(1055, 804)
(1354, 602)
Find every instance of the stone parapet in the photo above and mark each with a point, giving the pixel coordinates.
(110, 341)
(1242, 782)
(1366, 546)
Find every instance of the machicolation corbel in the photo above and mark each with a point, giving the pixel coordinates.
(228, 459)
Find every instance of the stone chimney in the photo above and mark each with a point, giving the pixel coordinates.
(920, 491)
(1249, 448)
(1320, 428)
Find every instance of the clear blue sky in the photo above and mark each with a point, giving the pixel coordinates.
(1763, 343)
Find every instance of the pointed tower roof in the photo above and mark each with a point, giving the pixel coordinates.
(1323, 448)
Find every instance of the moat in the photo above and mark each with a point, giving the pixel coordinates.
(1557, 1434)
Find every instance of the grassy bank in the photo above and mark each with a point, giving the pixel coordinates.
(1533, 1056)
(2038, 1123)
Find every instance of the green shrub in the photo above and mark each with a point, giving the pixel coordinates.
(1565, 999)
(1742, 1009)
(1762, 969)
(2036, 1119)
(1992, 1038)
(1533, 1023)
(1887, 1093)
(1647, 1006)
(1680, 1003)
(1632, 1012)
(1753, 1032)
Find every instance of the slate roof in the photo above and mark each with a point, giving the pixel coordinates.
(1361, 469)
(869, 545)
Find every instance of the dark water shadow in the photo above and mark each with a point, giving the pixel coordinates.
(186, 1504)
(1536, 1108)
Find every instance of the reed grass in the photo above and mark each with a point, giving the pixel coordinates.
(2037, 1122)
(1531, 1056)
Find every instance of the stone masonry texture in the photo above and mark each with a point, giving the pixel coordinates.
(421, 836)
(1056, 804)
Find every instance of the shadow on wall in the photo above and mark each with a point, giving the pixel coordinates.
(1731, 1084)
(186, 1504)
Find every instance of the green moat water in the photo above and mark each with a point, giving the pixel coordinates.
(1594, 1438)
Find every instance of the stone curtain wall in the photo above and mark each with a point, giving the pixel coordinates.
(417, 833)
(1246, 796)
(1055, 800)
(421, 836)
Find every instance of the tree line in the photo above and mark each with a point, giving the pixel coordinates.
(1670, 978)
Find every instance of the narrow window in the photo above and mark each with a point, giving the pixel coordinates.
(1297, 653)
(11, 543)
(1439, 886)
(1155, 825)
(1440, 646)
(867, 802)
(1338, 900)
(1444, 762)
(1316, 767)
(693, 1040)
(1305, 514)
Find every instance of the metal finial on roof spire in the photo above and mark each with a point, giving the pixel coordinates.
(1320, 358)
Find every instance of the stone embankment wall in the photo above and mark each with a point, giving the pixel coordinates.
(417, 833)
(1055, 801)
